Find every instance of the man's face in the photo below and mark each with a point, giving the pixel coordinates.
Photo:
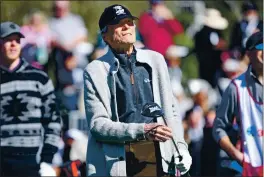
(251, 15)
(121, 33)
(10, 47)
(61, 8)
(37, 19)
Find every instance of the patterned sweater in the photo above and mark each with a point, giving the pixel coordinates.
(30, 124)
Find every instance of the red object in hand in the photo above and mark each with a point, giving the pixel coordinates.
(71, 168)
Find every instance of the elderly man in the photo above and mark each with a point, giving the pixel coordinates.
(243, 101)
(30, 123)
(122, 141)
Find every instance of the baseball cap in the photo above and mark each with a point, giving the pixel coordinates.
(8, 28)
(112, 15)
(255, 41)
(155, 1)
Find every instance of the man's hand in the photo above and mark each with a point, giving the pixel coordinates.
(157, 132)
(230, 149)
(185, 164)
(238, 156)
(163, 12)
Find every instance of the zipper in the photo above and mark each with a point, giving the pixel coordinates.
(132, 79)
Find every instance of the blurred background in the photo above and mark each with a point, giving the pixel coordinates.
(204, 50)
(90, 11)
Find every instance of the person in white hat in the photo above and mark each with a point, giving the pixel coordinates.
(209, 44)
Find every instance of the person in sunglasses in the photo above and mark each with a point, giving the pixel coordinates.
(243, 102)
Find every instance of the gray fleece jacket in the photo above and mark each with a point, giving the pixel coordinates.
(106, 150)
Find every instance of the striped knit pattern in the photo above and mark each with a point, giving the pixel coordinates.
(30, 124)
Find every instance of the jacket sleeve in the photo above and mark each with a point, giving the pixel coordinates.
(51, 122)
(176, 122)
(225, 113)
(100, 124)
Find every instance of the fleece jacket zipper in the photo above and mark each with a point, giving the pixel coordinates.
(132, 79)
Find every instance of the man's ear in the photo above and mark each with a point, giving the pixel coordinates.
(103, 36)
(260, 56)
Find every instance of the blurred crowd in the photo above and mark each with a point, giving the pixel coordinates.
(60, 46)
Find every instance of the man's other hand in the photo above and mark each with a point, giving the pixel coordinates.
(185, 164)
(157, 132)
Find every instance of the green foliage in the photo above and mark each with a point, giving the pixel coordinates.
(184, 40)
(89, 10)
(189, 66)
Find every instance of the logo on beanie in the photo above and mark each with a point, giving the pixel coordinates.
(119, 10)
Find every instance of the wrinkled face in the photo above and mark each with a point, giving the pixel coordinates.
(121, 33)
(10, 47)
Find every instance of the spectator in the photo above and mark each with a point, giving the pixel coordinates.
(185, 103)
(70, 50)
(117, 86)
(37, 42)
(202, 94)
(158, 28)
(209, 148)
(243, 101)
(250, 23)
(209, 44)
(198, 21)
(200, 118)
(195, 121)
(30, 122)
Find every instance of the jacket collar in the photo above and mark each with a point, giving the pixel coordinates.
(21, 66)
(252, 75)
(112, 63)
(124, 59)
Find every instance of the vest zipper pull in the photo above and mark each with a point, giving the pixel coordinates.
(132, 78)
